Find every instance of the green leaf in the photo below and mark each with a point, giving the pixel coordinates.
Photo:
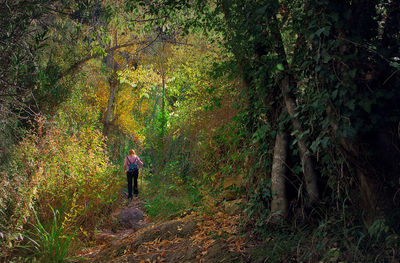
(261, 10)
(280, 67)
(350, 104)
(352, 73)
(395, 64)
(324, 142)
(294, 132)
(314, 146)
(366, 105)
(334, 94)
(335, 17)
(324, 30)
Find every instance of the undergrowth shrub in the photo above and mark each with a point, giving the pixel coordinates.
(168, 200)
(334, 238)
(52, 167)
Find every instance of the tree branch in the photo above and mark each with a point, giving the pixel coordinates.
(147, 20)
(78, 64)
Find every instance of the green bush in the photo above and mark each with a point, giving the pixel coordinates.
(52, 167)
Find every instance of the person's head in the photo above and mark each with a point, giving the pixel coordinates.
(132, 152)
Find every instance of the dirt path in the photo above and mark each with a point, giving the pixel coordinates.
(133, 237)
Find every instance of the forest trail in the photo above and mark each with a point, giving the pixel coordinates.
(133, 237)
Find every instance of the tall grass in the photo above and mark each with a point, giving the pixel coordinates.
(50, 245)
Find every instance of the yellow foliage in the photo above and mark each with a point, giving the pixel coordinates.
(68, 171)
(132, 104)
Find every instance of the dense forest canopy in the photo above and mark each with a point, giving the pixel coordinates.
(289, 109)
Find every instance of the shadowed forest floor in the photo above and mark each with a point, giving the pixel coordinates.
(132, 237)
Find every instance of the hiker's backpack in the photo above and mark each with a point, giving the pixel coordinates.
(132, 166)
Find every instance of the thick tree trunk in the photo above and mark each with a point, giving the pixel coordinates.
(279, 204)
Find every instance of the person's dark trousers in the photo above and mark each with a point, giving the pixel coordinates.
(129, 177)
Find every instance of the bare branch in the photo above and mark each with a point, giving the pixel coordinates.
(80, 63)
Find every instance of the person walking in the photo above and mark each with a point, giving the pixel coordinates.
(132, 165)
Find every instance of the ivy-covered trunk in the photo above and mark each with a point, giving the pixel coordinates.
(285, 83)
(309, 172)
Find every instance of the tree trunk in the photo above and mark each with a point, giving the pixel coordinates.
(163, 90)
(306, 161)
(310, 175)
(279, 204)
(114, 82)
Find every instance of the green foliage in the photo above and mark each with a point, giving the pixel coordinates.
(64, 167)
(161, 123)
(197, 104)
(343, 77)
(168, 200)
(50, 245)
(51, 93)
(259, 205)
(20, 47)
(329, 241)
